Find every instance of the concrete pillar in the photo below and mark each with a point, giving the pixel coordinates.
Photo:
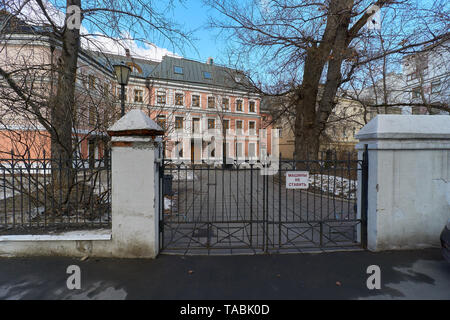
(135, 218)
(409, 180)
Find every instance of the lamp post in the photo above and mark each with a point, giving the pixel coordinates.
(122, 72)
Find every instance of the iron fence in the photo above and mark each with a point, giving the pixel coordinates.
(44, 195)
(210, 208)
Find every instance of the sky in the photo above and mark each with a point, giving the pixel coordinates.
(192, 14)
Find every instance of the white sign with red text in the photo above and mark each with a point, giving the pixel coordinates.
(297, 180)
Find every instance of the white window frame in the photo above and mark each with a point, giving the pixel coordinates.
(240, 156)
(207, 102)
(165, 97)
(229, 104)
(243, 105)
(175, 123)
(236, 127)
(254, 101)
(134, 91)
(207, 123)
(255, 151)
(199, 100)
(250, 133)
(175, 99)
(199, 125)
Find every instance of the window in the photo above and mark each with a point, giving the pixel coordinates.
(225, 103)
(416, 92)
(207, 75)
(211, 102)
(161, 120)
(211, 123)
(179, 149)
(280, 132)
(178, 122)
(238, 105)
(238, 126)
(178, 99)
(161, 97)
(119, 91)
(239, 149)
(91, 82)
(196, 100)
(226, 124)
(106, 89)
(252, 128)
(435, 86)
(138, 96)
(251, 150)
(178, 70)
(251, 106)
(411, 76)
(92, 117)
(195, 125)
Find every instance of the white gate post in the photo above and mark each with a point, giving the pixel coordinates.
(408, 199)
(135, 215)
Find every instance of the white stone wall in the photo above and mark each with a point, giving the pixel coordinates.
(409, 180)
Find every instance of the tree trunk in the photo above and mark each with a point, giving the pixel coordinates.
(62, 111)
(313, 108)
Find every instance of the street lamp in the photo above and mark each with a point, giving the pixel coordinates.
(122, 72)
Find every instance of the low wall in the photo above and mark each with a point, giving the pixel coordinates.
(135, 219)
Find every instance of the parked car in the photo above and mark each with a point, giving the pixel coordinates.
(445, 241)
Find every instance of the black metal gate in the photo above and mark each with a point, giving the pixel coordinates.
(245, 208)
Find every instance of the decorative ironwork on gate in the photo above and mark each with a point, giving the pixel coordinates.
(209, 208)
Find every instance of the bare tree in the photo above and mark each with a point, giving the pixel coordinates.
(43, 84)
(306, 44)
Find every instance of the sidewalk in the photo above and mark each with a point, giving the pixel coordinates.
(419, 274)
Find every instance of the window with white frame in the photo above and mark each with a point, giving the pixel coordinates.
(195, 125)
(211, 102)
(252, 106)
(119, 92)
(195, 101)
(436, 86)
(161, 120)
(239, 104)
(179, 149)
(252, 128)
(211, 123)
(138, 96)
(179, 97)
(239, 149)
(161, 97)
(252, 150)
(225, 103)
(178, 123)
(239, 126)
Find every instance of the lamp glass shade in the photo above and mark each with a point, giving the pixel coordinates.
(122, 73)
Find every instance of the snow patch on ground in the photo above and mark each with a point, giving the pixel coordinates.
(338, 186)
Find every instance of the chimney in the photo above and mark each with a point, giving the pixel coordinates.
(210, 61)
(127, 52)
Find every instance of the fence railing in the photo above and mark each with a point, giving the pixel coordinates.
(44, 195)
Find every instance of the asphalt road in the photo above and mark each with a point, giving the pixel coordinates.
(421, 274)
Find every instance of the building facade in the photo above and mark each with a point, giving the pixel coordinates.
(208, 112)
